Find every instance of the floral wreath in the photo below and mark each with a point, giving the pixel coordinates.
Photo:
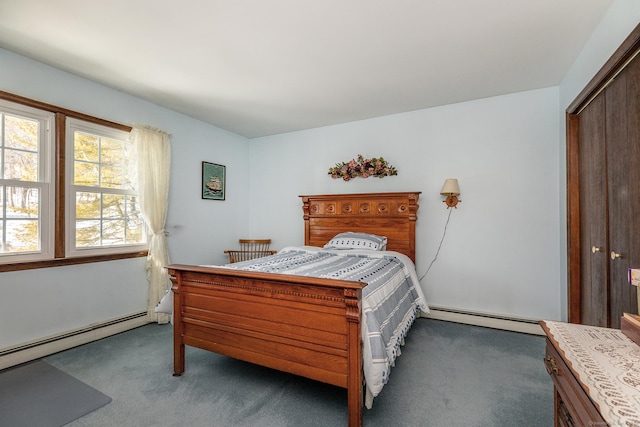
(363, 168)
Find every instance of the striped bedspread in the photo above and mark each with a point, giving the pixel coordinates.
(391, 301)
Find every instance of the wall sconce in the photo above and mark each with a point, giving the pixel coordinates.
(452, 191)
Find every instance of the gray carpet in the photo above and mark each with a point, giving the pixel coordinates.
(448, 375)
(37, 394)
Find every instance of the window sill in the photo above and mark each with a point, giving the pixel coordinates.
(59, 262)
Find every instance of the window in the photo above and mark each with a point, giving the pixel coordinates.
(27, 192)
(103, 213)
(66, 194)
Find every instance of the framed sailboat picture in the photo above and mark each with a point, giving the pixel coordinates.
(213, 181)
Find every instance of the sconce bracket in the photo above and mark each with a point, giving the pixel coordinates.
(451, 201)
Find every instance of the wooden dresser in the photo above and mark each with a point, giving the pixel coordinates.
(596, 375)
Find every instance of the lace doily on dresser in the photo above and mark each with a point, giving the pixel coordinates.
(608, 364)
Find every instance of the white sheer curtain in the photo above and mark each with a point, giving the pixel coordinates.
(153, 156)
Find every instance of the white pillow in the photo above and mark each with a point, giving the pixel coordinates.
(166, 303)
(352, 240)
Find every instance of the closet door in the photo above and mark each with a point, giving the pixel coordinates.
(603, 190)
(623, 162)
(594, 264)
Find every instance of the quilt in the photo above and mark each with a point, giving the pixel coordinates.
(391, 301)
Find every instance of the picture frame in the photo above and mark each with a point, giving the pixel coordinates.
(214, 181)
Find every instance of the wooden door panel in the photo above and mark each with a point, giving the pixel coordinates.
(623, 131)
(633, 134)
(593, 214)
(618, 164)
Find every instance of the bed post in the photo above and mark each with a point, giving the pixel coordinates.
(352, 299)
(305, 217)
(413, 217)
(178, 344)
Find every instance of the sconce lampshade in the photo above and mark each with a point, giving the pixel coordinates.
(452, 191)
(450, 188)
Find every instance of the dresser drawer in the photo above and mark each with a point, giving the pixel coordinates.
(572, 405)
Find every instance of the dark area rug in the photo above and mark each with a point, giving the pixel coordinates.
(38, 394)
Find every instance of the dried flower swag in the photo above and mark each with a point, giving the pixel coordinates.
(363, 168)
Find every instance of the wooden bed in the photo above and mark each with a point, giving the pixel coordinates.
(302, 325)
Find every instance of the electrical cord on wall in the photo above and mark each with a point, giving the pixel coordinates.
(439, 246)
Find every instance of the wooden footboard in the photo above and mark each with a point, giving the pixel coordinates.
(302, 325)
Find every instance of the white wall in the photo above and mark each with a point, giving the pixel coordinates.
(506, 255)
(44, 302)
(621, 18)
(500, 254)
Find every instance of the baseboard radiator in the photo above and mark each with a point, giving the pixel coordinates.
(529, 326)
(23, 353)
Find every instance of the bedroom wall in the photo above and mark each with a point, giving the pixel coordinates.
(504, 252)
(43, 302)
(500, 254)
(621, 18)
(505, 256)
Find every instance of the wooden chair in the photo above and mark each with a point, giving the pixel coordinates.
(250, 249)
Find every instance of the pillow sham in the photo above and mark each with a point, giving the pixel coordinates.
(353, 240)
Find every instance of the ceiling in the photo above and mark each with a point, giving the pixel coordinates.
(263, 67)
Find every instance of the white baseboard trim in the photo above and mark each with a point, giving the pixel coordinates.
(527, 326)
(34, 350)
(30, 351)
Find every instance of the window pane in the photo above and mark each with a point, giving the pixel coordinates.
(113, 232)
(87, 205)
(87, 233)
(111, 151)
(22, 165)
(111, 177)
(20, 133)
(113, 206)
(135, 231)
(23, 235)
(85, 174)
(133, 208)
(22, 202)
(86, 147)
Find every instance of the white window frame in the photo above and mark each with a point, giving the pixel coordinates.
(45, 183)
(73, 125)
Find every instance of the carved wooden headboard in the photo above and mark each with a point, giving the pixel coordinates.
(385, 214)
